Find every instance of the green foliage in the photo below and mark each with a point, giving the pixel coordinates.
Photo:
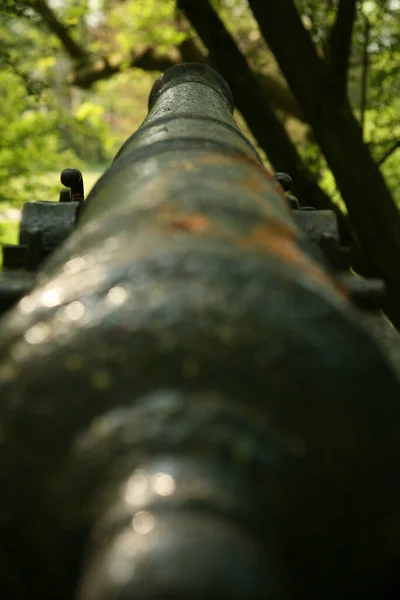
(48, 124)
(8, 235)
(29, 144)
(131, 25)
(379, 33)
(124, 100)
(375, 64)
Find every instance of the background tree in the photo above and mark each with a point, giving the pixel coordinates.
(315, 81)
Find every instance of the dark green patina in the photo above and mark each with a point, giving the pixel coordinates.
(190, 407)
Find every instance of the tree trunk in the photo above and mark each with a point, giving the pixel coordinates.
(254, 105)
(371, 208)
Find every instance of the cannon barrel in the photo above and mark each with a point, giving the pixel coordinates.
(190, 406)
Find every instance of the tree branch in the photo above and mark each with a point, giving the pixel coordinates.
(89, 68)
(190, 51)
(253, 103)
(364, 73)
(100, 67)
(296, 54)
(73, 49)
(340, 47)
(388, 153)
(371, 208)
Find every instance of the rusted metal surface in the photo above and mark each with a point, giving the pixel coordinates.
(190, 406)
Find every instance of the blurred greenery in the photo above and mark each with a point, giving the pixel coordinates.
(9, 232)
(48, 122)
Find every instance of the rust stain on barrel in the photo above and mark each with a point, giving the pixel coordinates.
(280, 242)
(190, 222)
(273, 238)
(273, 235)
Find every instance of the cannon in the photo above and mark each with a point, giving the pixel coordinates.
(191, 405)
